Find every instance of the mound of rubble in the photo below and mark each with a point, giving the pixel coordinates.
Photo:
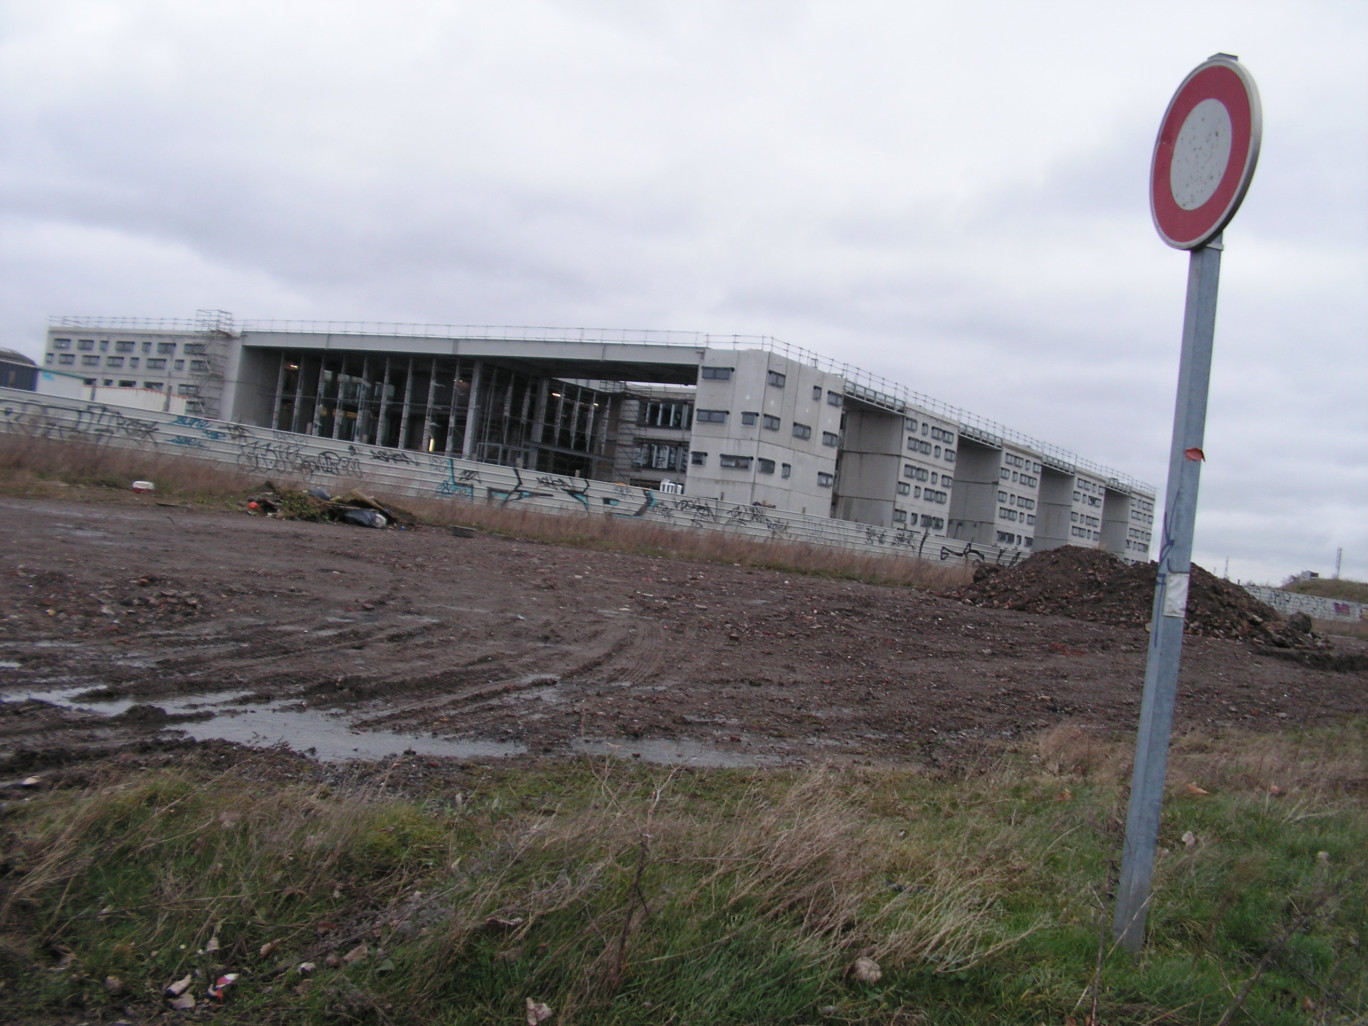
(1087, 584)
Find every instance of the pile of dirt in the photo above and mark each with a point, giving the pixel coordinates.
(1088, 584)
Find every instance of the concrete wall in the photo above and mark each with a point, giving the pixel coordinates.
(869, 466)
(1289, 602)
(305, 460)
(973, 502)
(1056, 499)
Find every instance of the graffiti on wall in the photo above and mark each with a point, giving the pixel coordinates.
(305, 458)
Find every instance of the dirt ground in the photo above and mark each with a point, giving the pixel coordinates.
(121, 624)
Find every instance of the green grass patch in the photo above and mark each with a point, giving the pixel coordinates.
(621, 894)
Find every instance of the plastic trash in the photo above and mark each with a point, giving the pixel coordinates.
(320, 493)
(365, 518)
(220, 986)
(142, 487)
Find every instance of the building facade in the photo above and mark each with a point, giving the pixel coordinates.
(743, 420)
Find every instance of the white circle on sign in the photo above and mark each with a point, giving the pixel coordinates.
(1200, 154)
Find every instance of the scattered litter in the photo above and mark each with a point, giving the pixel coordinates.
(866, 970)
(1323, 856)
(356, 954)
(180, 986)
(504, 921)
(269, 947)
(220, 986)
(113, 986)
(537, 1012)
(212, 946)
(183, 1002)
(320, 493)
(1189, 840)
(143, 487)
(307, 967)
(316, 504)
(1194, 789)
(30, 782)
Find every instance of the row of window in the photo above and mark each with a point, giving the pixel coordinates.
(1017, 477)
(88, 345)
(940, 434)
(772, 378)
(927, 449)
(1012, 499)
(914, 473)
(1083, 519)
(935, 523)
(151, 363)
(1083, 532)
(769, 422)
(764, 466)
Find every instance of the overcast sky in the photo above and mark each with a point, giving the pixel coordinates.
(953, 196)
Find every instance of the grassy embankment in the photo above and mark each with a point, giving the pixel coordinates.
(617, 893)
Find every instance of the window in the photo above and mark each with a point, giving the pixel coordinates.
(123, 347)
(946, 480)
(949, 455)
(938, 452)
(900, 516)
(90, 361)
(911, 423)
(156, 363)
(1002, 496)
(104, 347)
(1030, 519)
(785, 470)
(146, 347)
(735, 462)
(765, 466)
(833, 399)
(665, 415)
(114, 361)
(108, 382)
(156, 386)
(61, 343)
(180, 365)
(771, 423)
(829, 438)
(193, 348)
(86, 345)
(801, 430)
(926, 428)
(816, 391)
(198, 366)
(652, 454)
(47, 358)
(698, 459)
(935, 478)
(128, 384)
(904, 488)
(711, 416)
(133, 362)
(715, 373)
(776, 379)
(67, 358)
(825, 480)
(166, 347)
(748, 418)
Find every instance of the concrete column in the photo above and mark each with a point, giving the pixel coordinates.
(404, 415)
(472, 412)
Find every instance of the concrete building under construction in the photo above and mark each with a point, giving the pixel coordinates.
(741, 419)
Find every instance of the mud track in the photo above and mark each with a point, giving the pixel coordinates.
(121, 623)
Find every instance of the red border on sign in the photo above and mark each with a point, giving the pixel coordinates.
(1181, 227)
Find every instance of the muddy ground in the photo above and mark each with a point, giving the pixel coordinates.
(123, 624)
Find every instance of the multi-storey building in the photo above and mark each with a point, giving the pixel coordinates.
(744, 420)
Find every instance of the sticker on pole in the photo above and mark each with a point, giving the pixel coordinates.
(1205, 154)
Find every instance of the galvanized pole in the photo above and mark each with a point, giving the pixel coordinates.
(1170, 599)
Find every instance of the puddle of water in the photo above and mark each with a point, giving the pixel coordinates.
(323, 735)
(671, 752)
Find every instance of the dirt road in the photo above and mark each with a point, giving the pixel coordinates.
(123, 622)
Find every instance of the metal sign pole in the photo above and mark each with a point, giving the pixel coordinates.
(1170, 599)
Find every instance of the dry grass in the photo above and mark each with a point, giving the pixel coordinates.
(48, 469)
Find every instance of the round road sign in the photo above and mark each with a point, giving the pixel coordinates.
(1205, 154)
